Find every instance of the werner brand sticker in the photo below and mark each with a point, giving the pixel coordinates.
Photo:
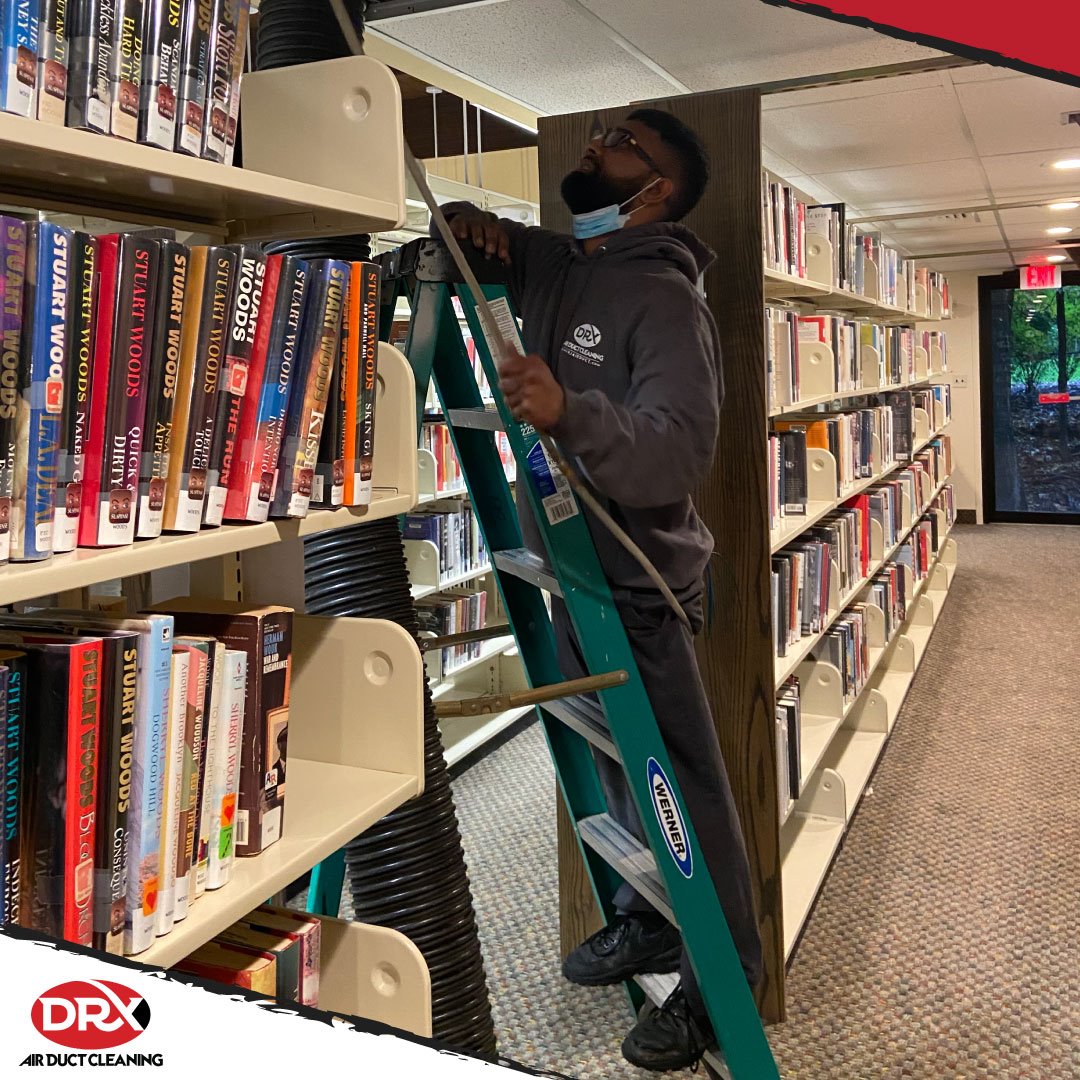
(670, 818)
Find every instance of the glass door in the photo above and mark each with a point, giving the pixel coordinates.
(1030, 376)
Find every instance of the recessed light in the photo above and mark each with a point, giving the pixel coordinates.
(1059, 230)
(1056, 258)
(1063, 206)
(1067, 163)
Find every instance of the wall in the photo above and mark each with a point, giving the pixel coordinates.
(966, 428)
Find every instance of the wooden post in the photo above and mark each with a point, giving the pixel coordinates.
(735, 651)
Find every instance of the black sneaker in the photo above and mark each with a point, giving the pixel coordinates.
(629, 945)
(668, 1038)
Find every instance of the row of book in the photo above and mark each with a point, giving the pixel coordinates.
(864, 355)
(788, 745)
(835, 555)
(861, 262)
(435, 438)
(161, 72)
(454, 530)
(272, 951)
(140, 755)
(453, 611)
(151, 386)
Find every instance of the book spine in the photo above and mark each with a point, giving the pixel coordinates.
(119, 680)
(53, 47)
(18, 78)
(318, 354)
(283, 327)
(197, 478)
(91, 58)
(108, 254)
(226, 790)
(161, 387)
(242, 326)
(223, 48)
(198, 663)
(125, 71)
(147, 784)
(213, 750)
(170, 808)
(14, 785)
(126, 410)
(160, 73)
(371, 286)
(41, 388)
(328, 490)
(243, 20)
(4, 673)
(84, 693)
(14, 276)
(71, 463)
(200, 17)
(350, 361)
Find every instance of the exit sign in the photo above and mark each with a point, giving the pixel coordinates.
(1040, 277)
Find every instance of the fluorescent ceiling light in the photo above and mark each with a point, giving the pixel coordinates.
(1059, 230)
(1063, 206)
(1056, 258)
(533, 131)
(1067, 163)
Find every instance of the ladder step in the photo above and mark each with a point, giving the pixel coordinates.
(585, 716)
(658, 989)
(523, 564)
(479, 419)
(628, 857)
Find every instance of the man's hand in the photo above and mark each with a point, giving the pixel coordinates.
(484, 230)
(531, 390)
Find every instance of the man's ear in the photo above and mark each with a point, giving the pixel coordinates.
(660, 192)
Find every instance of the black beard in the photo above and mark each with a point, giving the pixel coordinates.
(583, 191)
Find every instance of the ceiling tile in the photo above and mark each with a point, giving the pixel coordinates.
(1014, 176)
(908, 187)
(989, 263)
(1039, 215)
(1011, 115)
(875, 131)
(816, 95)
(954, 239)
(985, 73)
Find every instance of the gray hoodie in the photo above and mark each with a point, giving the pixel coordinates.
(629, 338)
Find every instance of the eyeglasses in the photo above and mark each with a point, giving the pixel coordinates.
(616, 137)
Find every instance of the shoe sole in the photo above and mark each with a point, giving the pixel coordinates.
(665, 964)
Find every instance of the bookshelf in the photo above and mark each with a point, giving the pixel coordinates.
(356, 717)
(790, 849)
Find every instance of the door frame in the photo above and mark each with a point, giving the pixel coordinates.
(987, 284)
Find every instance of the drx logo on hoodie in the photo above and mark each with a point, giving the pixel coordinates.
(587, 335)
(586, 338)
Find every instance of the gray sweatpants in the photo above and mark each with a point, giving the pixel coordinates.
(664, 650)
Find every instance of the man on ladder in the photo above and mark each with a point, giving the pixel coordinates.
(623, 370)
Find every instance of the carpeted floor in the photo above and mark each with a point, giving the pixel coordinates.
(946, 941)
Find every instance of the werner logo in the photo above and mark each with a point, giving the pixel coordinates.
(587, 336)
(90, 1015)
(671, 820)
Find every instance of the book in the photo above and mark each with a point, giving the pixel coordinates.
(88, 98)
(13, 252)
(14, 780)
(223, 47)
(328, 484)
(62, 756)
(215, 747)
(284, 947)
(271, 377)
(202, 351)
(43, 356)
(318, 353)
(265, 635)
(172, 791)
(242, 323)
(370, 289)
(125, 411)
(242, 23)
(71, 448)
(161, 388)
(198, 650)
(18, 76)
(125, 71)
(225, 779)
(160, 82)
(52, 74)
(232, 966)
(309, 930)
(198, 22)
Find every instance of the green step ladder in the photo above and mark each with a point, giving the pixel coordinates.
(672, 875)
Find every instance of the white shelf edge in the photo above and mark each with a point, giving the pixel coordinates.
(420, 591)
(489, 650)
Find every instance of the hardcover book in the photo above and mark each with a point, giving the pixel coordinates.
(14, 778)
(198, 650)
(199, 19)
(18, 76)
(370, 292)
(225, 779)
(223, 48)
(232, 966)
(13, 252)
(173, 769)
(52, 75)
(215, 745)
(90, 61)
(125, 72)
(160, 86)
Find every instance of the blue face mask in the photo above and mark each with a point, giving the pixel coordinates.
(607, 219)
